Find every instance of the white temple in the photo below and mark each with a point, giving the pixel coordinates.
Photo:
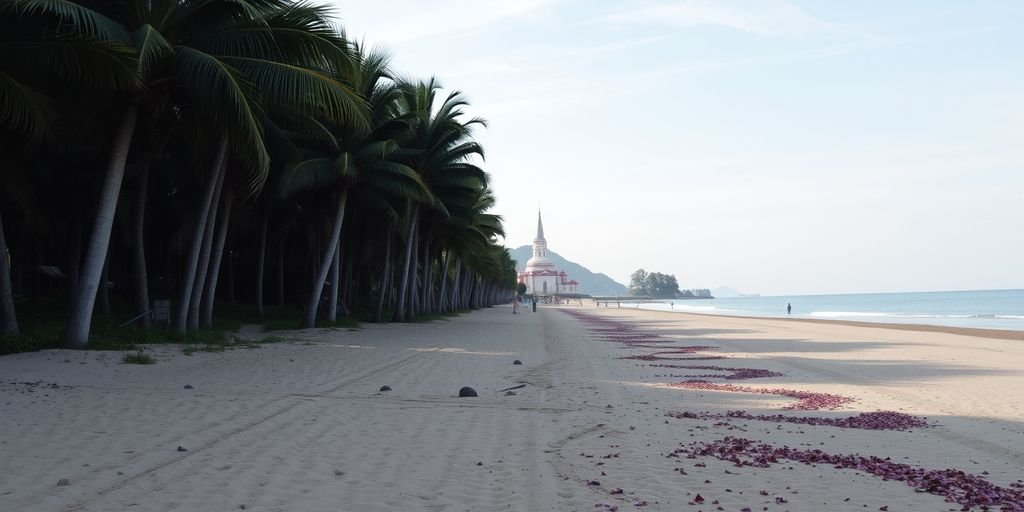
(540, 276)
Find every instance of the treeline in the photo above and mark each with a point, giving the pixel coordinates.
(696, 293)
(662, 286)
(241, 150)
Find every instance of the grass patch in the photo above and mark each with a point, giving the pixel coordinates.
(192, 349)
(270, 339)
(42, 324)
(225, 345)
(138, 358)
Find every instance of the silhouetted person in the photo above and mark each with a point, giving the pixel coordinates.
(789, 308)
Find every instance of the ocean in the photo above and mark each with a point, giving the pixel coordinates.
(983, 309)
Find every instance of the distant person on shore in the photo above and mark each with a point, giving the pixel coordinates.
(672, 305)
(789, 309)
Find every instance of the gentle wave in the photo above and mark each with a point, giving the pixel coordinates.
(683, 307)
(837, 314)
(988, 309)
(872, 314)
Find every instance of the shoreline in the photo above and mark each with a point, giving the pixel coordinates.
(1001, 334)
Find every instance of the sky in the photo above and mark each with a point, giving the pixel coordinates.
(777, 147)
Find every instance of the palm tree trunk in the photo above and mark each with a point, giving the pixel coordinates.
(332, 308)
(428, 278)
(203, 271)
(280, 272)
(231, 270)
(139, 248)
(309, 319)
(103, 293)
(442, 297)
(467, 289)
(210, 294)
(260, 267)
(385, 280)
(8, 315)
(76, 333)
(432, 302)
(455, 284)
(192, 262)
(403, 284)
(348, 287)
(414, 276)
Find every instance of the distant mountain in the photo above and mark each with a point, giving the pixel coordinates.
(590, 283)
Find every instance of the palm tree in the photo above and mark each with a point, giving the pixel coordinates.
(355, 156)
(250, 119)
(229, 60)
(440, 150)
(38, 51)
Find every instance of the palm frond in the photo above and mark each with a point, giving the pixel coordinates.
(460, 175)
(23, 110)
(396, 180)
(315, 173)
(279, 145)
(85, 21)
(299, 33)
(306, 130)
(228, 99)
(80, 59)
(152, 49)
(304, 89)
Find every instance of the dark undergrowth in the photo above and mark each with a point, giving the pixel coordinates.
(42, 326)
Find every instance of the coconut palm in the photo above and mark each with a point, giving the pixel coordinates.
(38, 55)
(353, 156)
(227, 61)
(440, 149)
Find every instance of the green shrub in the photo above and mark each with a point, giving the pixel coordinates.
(138, 358)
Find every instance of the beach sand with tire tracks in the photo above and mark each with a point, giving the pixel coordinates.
(302, 426)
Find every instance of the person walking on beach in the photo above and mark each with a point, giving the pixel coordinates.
(789, 308)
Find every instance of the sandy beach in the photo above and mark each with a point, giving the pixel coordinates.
(302, 425)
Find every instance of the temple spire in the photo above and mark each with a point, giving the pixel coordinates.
(540, 226)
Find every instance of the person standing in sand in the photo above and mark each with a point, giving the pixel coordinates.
(789, 308)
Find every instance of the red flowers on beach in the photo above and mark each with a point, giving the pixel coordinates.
(956, 486)
(734, 373)
(881, 420)
(806, 400)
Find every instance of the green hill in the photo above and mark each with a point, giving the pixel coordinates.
(590, 283)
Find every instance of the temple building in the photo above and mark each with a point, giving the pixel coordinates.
(540, 276)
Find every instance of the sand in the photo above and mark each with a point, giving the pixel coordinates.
(301, 425)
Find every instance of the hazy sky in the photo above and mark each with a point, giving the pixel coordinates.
(773, 146)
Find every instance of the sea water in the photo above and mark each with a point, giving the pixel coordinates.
(984, 309)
